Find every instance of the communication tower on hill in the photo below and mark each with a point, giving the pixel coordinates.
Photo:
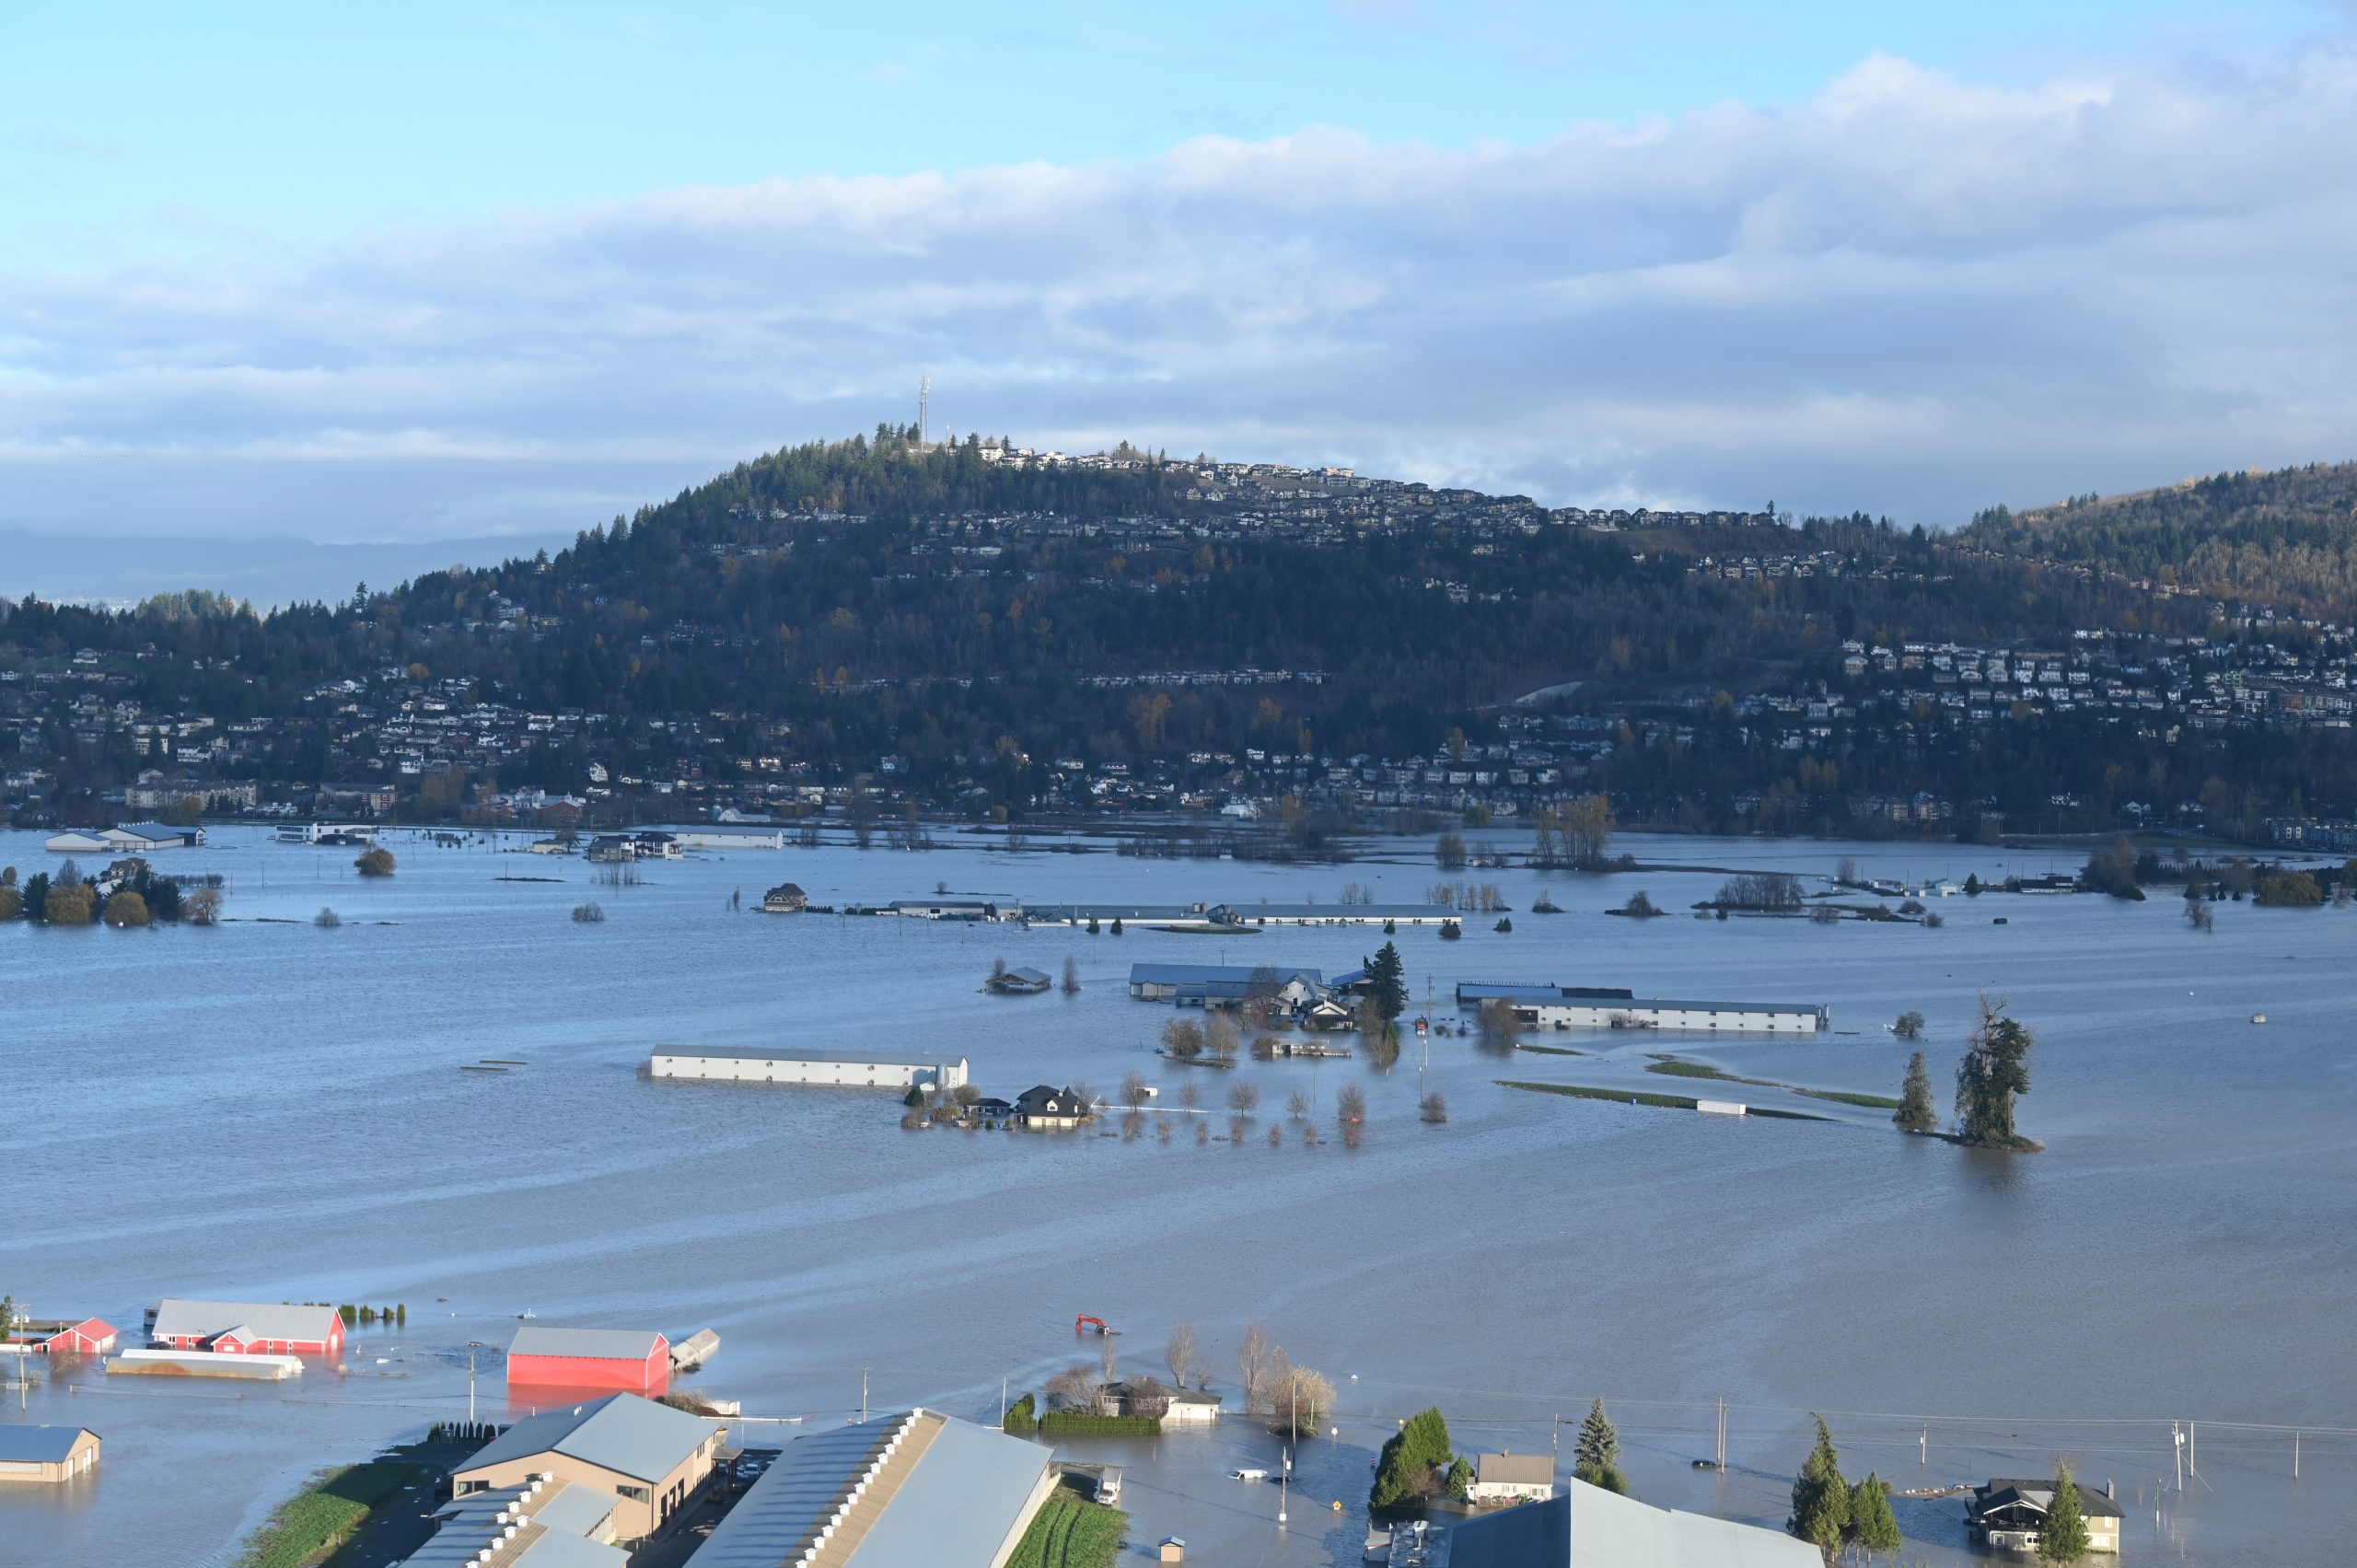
(924, 391)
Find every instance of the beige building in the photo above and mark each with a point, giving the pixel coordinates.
(47, 1455)
(656, 1460)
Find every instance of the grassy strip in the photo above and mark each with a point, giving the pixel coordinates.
(1677, 1069)
(324, 1515)
(1661, 1103)
(1547, 1050)
(1070, 1531)
(1872, 1102)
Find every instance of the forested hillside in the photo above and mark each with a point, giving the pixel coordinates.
(2287, 537)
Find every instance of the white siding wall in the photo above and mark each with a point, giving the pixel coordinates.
(1595, 1015)
(792, 1070)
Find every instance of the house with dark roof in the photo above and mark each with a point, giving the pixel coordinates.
(1019, 983)
(1044, 1108)
(656, 1460)
(2010, 1515)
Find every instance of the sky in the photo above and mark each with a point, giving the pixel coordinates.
(443, 281)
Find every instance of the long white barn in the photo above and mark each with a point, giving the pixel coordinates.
(1567, 1007)
(840, 1070)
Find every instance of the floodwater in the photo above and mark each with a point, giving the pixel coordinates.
(277, 1112)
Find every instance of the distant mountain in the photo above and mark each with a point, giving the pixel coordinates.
(2287, 537)
(124, 568)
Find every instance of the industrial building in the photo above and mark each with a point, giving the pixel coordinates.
(638, 1361)
(46, 1455)
(654, 1460)
(542, 1523)
(913, 1490)
(238, 1327)
(1591, 1528)
(753, 1064)
(132, 838)
(1205, 984)
(1600, 1008)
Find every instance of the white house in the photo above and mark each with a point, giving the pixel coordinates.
(1512, 1478)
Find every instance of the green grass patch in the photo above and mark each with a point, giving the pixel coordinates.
(1871, 1102)
(324, 1515)
(1547, 1050)
(1080, 1424)
(1676, 1069)
(1611, 1096)
(1070, 1531)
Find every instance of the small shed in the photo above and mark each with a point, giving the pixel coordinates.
(1172, 1550)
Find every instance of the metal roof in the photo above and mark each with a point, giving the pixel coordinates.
(39, 1444)
(261, 1320)
(770, 1053)
(554, 1521)
(1194, 974)
(621, 1433)
(916, 1490)
(1515, 1470)
(603, 1345)
(1585, 1527)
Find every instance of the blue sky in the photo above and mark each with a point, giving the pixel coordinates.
(437, 271)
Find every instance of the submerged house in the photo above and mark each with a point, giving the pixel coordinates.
(1512, 1478)
(1018, 982)
(1045, 1108)
(784, 898)
(2010, 1515)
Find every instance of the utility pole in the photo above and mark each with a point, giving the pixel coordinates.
(862, 1396)
(1002, 1404)
(2295, 1456)
(1923, 1449)
(2192, 1457)
(1723, 1437)
(1292, 1423)
(2177, 1439)
(1559, 1440)
(472, 1346)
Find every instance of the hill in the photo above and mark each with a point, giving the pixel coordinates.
(2286, 538)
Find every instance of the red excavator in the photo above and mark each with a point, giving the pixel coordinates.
(1084, 1324)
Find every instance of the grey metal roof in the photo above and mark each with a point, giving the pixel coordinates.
(37, 1445)
(561, 1510)
(1515, 1470)
(262, 1320)
(772, 1053)
(1585, 1527)
(615, 1344)
(621, 1433)
(969, 1492)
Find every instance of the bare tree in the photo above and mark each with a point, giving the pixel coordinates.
(1298, 1397)
(1179, 1354)
(1297, 1104)
(1351, 1104)
(1219, 1035)
(1183, 1038)
(1107, 1359)
(1072, 976)
(1501, 1028)
(1073, 1388)
(1243, 1099)
(1134, 1091)
(1436, 1109)
(1190, 1094)
(1253, 1365)
(1084, 1095)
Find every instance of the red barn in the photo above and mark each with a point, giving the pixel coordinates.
(248, 1327)
(634, 1359)
(92, 1336)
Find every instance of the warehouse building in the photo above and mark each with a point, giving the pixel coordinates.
(46, 1455)
(1595, 1007)
(654, 1460)
(241, 1328)
(914, 1490)
(638, 1361)
(1198, 983)
(751, 1064)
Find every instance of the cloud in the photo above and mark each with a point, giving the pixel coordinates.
(1909, 294)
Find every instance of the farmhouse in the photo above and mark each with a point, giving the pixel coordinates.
(47, 1455)
(1591, 1007)
(1019, 983)
(1512, 1478)
(92, 1336)
(635, 1360)
(656, 1460)
(786, 898)
(749, 1064)
(916, 1488)
(244, 1328)
(1045, 1108)
(1588, 1526)
(2009, 1514)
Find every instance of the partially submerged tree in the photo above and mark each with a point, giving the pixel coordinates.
(1178, 1355)
(1910, 1026)
(1501, 1028)
(375, 861)
(1994, 1074)
(1413, 1468)
(1252, 1365)
(1072, 976)
(2064, 1536)
(1916, 1112)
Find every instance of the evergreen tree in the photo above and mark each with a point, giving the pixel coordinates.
(1387, 988)
(1873, 1526)
(1413, 1462)
(1916, 1111)
(1995, 1070)
(2064, 1536)
(1595, 1456)
(1820, 1497)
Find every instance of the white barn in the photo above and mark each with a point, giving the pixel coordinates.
(750, 1065)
